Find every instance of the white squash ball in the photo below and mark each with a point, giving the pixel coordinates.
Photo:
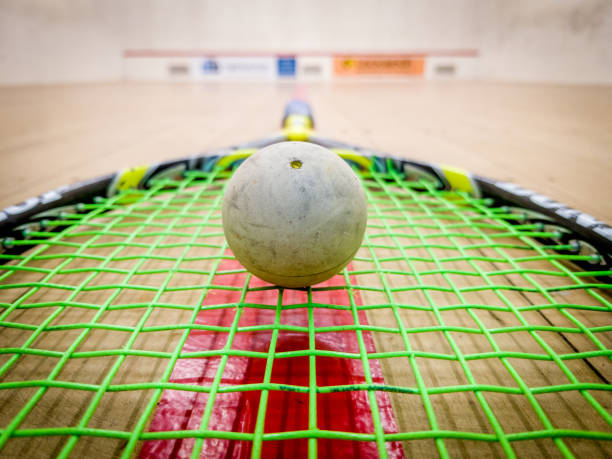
(294, 214)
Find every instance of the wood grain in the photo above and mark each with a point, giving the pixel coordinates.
(553, 139)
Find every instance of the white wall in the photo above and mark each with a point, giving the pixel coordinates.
(301, 25)
(45, 41)
(546, 40)
(59, 41)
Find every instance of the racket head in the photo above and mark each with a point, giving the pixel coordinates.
(462, 326)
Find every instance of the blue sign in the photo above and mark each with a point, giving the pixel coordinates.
(286, 66)
(210, 66)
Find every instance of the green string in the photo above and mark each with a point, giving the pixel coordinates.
(411, 224)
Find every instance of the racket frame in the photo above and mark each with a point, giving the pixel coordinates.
(575, 232)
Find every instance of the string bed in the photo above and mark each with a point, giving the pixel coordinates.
(133, 331)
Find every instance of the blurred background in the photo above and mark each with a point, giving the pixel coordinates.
(61, 41)
(515, 89)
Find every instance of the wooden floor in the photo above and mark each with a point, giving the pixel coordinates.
(553, 139)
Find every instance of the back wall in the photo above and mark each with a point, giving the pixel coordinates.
(66, 41)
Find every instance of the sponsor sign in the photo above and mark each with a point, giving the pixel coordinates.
(350, 65)
(314, 67)
(445, 67)
(286, 66)
(247, 67)
(210, 67)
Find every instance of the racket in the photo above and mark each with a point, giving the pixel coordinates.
(473, 321)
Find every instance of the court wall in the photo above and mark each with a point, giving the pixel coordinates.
(65, 41)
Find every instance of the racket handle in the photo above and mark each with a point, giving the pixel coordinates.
(300, 109)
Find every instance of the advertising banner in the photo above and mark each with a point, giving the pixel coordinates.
(378, 65)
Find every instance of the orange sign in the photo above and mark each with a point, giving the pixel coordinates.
(347, 65)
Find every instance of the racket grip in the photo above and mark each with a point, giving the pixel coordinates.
(297, 108)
